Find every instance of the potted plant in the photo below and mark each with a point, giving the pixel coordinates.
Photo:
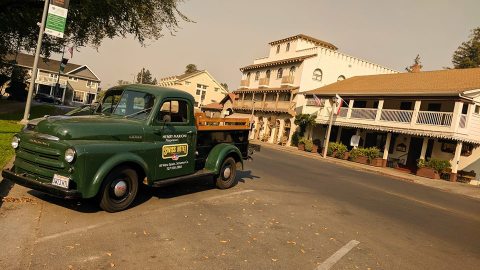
(316, 145)
(341, 151)
(301, 144)
(358, 155)
(432, 168)
(373, 155)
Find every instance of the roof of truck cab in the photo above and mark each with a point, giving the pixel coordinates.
(157, 91)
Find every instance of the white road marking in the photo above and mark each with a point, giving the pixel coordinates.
(84, 229)
(328, 263)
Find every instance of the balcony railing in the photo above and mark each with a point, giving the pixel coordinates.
(463, 121)
(264, 82)
(364, 113)
(435, 118)
(343, 112)
(288, 80)
(401, 116)
(244, 83)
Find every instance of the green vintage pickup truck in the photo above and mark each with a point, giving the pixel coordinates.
(136, 134)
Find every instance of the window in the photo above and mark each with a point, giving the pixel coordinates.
(248, 76)
(477, 109)
(198, 92)
(288, 47)
(90, 84)
(278, 48)
(51, 75)
(280, 73)
(78, 96)
(73, 79)
(340, 78)
(201, 89)
(173, 111)
(317, 75)
(267, 74)
(187, 83)
(216, 89)
(257, 75)
(109, 102)
(292, 71)
(134, 105)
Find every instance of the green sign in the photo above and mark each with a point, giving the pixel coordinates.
(57, 18)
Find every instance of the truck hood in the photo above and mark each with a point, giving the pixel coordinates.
(91, 127)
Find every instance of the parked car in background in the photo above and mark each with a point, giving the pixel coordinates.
(40, 97)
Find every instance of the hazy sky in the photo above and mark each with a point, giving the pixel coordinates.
(230, 34)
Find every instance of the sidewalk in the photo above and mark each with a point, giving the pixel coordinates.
(453, 187)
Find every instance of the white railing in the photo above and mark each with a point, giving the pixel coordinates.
(343, 112)
(435, 118)
(364, 113)
(463, 121)
(401, 116)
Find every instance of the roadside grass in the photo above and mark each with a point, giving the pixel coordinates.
(9, 126)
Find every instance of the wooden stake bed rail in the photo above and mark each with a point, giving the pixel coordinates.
(205, 123)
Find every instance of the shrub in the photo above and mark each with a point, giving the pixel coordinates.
(369, 152)
(295, 138)
(339, 148)
(308, 145)
(439, 165)
(356, 152)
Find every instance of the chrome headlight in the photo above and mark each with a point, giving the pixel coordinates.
(70, 155)
(15, 142)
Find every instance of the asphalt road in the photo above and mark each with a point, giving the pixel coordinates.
(287, 212)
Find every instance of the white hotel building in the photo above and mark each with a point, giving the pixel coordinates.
(274, 84)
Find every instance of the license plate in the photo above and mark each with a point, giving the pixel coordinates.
(60, 181)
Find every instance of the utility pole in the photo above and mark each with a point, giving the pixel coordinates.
(327, 136)
(57, 85)
(26, 114)
(141, 76)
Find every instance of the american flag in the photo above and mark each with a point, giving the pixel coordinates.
(318, 101)
(340, 102)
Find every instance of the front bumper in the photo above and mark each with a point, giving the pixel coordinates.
(43, 187)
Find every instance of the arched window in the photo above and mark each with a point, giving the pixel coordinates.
(340, 78)
(248, 76)
(317, 75)
(280, 73)
(257, 75)
(267, 74)
(278, 48)
(292, 71)
(288, 47)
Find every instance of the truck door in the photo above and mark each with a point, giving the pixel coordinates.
(176, 138)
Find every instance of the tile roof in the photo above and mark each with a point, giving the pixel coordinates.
(186, 75)
(213, 106)
(279, 62)
(26, 60)
(427, 83)
(317, 42)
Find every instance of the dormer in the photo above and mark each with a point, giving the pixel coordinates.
(296, 43)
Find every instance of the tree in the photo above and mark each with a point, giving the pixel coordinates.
(303, 121)
(190, 68)
(146, 77)
(468, 53)
(88, 23)
(224, 85)
(17, 88)
(416, 67)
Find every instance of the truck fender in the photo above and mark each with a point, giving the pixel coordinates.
(111, 163)
(218, 153)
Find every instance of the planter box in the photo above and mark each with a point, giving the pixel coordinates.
(362, 160)
(301, 146)
(428, 172)
(346, 155)
(377, 162)
(333, 154)
(315, 149)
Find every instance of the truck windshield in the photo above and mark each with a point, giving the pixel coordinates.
(126, 103)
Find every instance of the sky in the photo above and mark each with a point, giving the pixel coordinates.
(227, 35)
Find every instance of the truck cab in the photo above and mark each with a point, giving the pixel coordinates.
(137, 134)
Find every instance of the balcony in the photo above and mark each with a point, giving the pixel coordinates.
(288, 80)
(267, 106)
(244, 84)
(264, 82)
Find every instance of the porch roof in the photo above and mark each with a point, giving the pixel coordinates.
(452, 82)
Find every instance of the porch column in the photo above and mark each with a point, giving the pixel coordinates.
(385, 149)
(379, 110)
(281, 130)
(456, 159)
(424, 148)
(471, 108)
(416, 109)
(457, 112)
(51, 90)
(272, 134)
(63, 94)
(339, 134)
(263, 101)
(350, 106)
(293, 128)
(36, 85)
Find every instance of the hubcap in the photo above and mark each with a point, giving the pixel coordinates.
(227, 172)
(120, 188)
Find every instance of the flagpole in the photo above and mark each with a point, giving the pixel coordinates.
(26, 114)
(329, 129)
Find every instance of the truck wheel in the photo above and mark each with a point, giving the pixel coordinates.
(227, 177)
(119, 189)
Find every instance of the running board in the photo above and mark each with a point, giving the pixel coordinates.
(170, 181)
